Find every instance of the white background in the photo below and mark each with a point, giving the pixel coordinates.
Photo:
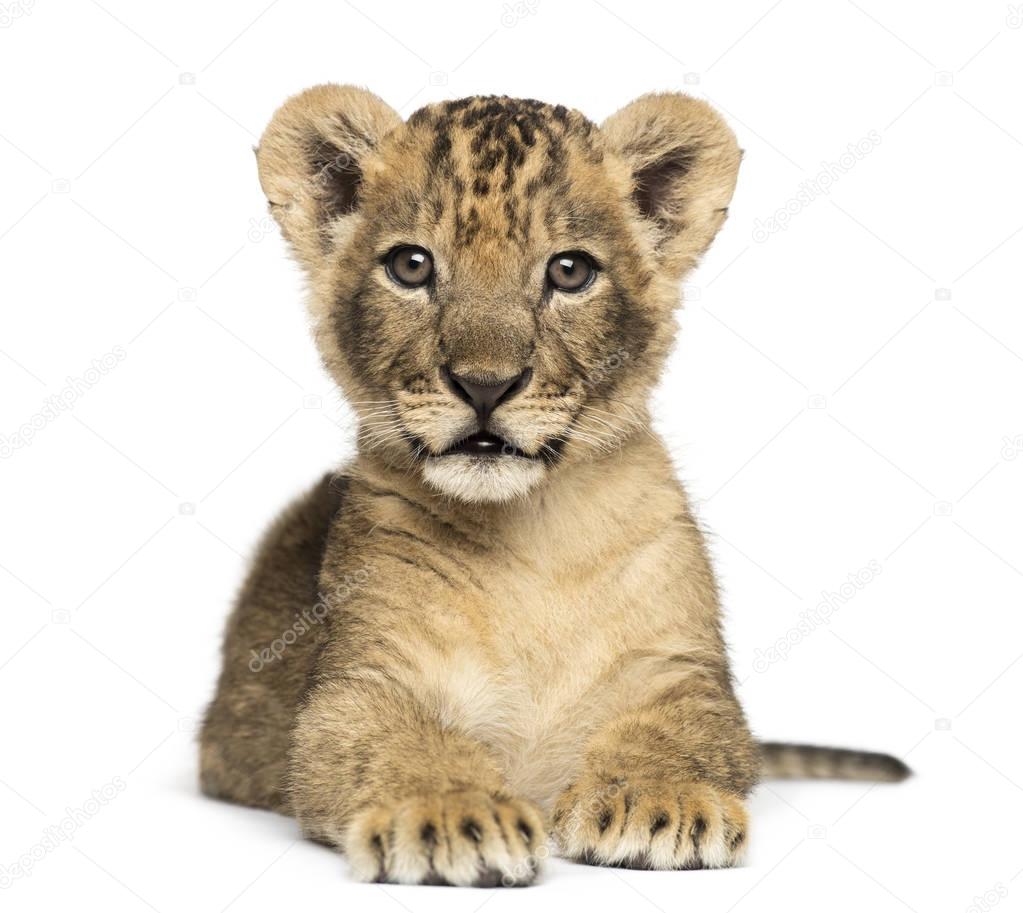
(846, 390)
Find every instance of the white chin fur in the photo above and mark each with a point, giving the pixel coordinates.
(490, 479)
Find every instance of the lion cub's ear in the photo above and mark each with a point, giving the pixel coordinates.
(684, 160)
(312, 158)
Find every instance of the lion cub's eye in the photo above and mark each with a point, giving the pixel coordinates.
(410, 266)
(570, 271)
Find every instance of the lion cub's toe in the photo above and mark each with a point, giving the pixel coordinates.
(456, 838)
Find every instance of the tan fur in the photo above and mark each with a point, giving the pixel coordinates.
(507, 642)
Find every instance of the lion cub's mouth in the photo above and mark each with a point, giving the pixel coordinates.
(483, 443)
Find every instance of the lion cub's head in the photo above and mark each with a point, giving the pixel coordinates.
(493, 279)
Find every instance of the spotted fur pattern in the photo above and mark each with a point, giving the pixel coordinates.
(441, 660)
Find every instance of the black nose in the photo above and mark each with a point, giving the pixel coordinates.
(485, 397)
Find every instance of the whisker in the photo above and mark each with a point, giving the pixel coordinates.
(616, 429)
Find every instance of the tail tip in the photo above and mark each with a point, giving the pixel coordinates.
(894, 769)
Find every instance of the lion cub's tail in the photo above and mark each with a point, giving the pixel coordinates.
(784, 761)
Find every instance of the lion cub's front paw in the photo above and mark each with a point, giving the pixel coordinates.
(650, 824)
(456, 838)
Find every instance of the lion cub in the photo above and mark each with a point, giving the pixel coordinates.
(500, 619)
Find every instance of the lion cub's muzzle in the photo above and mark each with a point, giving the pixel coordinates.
(484, 397)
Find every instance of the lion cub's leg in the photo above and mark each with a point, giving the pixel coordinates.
(374, 772)
(663, 786)
(268, 648)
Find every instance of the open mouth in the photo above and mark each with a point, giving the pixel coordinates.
(483, 443)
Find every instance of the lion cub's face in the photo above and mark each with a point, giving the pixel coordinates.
(494, 279)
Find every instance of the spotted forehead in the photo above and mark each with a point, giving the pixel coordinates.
(500, 162)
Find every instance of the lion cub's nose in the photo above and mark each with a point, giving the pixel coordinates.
(485, 397)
